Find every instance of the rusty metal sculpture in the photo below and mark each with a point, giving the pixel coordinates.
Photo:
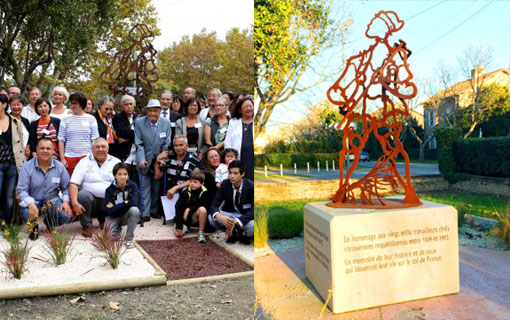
(141, 71)
(380, 74)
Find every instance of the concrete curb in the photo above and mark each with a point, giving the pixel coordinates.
(158, 279)
(233, 252)
(480, 221)
(210, 278)
(159, 270)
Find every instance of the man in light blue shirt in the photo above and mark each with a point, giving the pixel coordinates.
(40, 180)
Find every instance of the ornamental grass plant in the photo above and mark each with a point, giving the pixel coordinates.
(261, 232)
(58, 244)
(9, 232)
(58, 241)
(15, 259)
(110, 246)
(502, 228)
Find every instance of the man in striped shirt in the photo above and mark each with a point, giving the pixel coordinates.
(178, 166)
(76, 133)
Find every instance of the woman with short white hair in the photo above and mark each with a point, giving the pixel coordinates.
(59, 97)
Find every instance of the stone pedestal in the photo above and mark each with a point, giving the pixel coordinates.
(376, 257)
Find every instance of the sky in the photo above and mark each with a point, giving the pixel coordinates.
(433, 30)
(187, 17)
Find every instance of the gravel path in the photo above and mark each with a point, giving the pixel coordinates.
(85, 264)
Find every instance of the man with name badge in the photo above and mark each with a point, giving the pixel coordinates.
(152, 136)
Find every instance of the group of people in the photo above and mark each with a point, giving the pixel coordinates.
(71, 163)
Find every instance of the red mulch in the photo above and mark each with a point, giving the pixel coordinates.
(186, 258)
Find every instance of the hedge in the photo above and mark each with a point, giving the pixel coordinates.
(445, 138)
(288, 159)
(483, 156)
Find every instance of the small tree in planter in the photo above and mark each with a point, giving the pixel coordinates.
(109, 245)
(16, 259)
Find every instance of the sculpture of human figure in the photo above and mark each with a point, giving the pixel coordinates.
(379, 74)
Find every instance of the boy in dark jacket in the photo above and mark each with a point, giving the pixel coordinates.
(121, 198)
(190, 209)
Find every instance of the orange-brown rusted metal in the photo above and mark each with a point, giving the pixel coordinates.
(378, 75)
(126, 70)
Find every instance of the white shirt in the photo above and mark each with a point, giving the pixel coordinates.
(167, 116)
(234, 197)
(221, 173)
(203, 114)
(61, 116)
(29, 114)
(131, 159)
(93, 178)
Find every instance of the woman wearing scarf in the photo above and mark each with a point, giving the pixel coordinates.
(104, 122)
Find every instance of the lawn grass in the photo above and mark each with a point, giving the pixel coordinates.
(285, 218)
(476, 204)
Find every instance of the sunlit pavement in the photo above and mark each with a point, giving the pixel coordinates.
(284, 293)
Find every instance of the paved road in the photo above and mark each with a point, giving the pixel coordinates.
(417, 169)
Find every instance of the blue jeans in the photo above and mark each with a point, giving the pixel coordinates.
(8, 177)
(56, 219)
(248, 229)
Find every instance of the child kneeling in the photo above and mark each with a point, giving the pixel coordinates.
(121, 198)
(190, 209)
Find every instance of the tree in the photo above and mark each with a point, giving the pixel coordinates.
(205, 62)
(494, 102)
(236, 60)
(313, 133)
(288, 34)
(48, 40)
(192, 62)
(112, 41)
(473, 63)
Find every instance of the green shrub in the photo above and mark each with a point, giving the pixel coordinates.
(483, 156)
(285, 224)
(445, 137)
(284, 219)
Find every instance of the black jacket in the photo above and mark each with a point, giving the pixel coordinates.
(224, 199)
(129, 194)
(32, 132)
(192, 199)
(124, 130)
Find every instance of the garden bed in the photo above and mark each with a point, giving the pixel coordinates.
(186, 258)
(86, 270)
